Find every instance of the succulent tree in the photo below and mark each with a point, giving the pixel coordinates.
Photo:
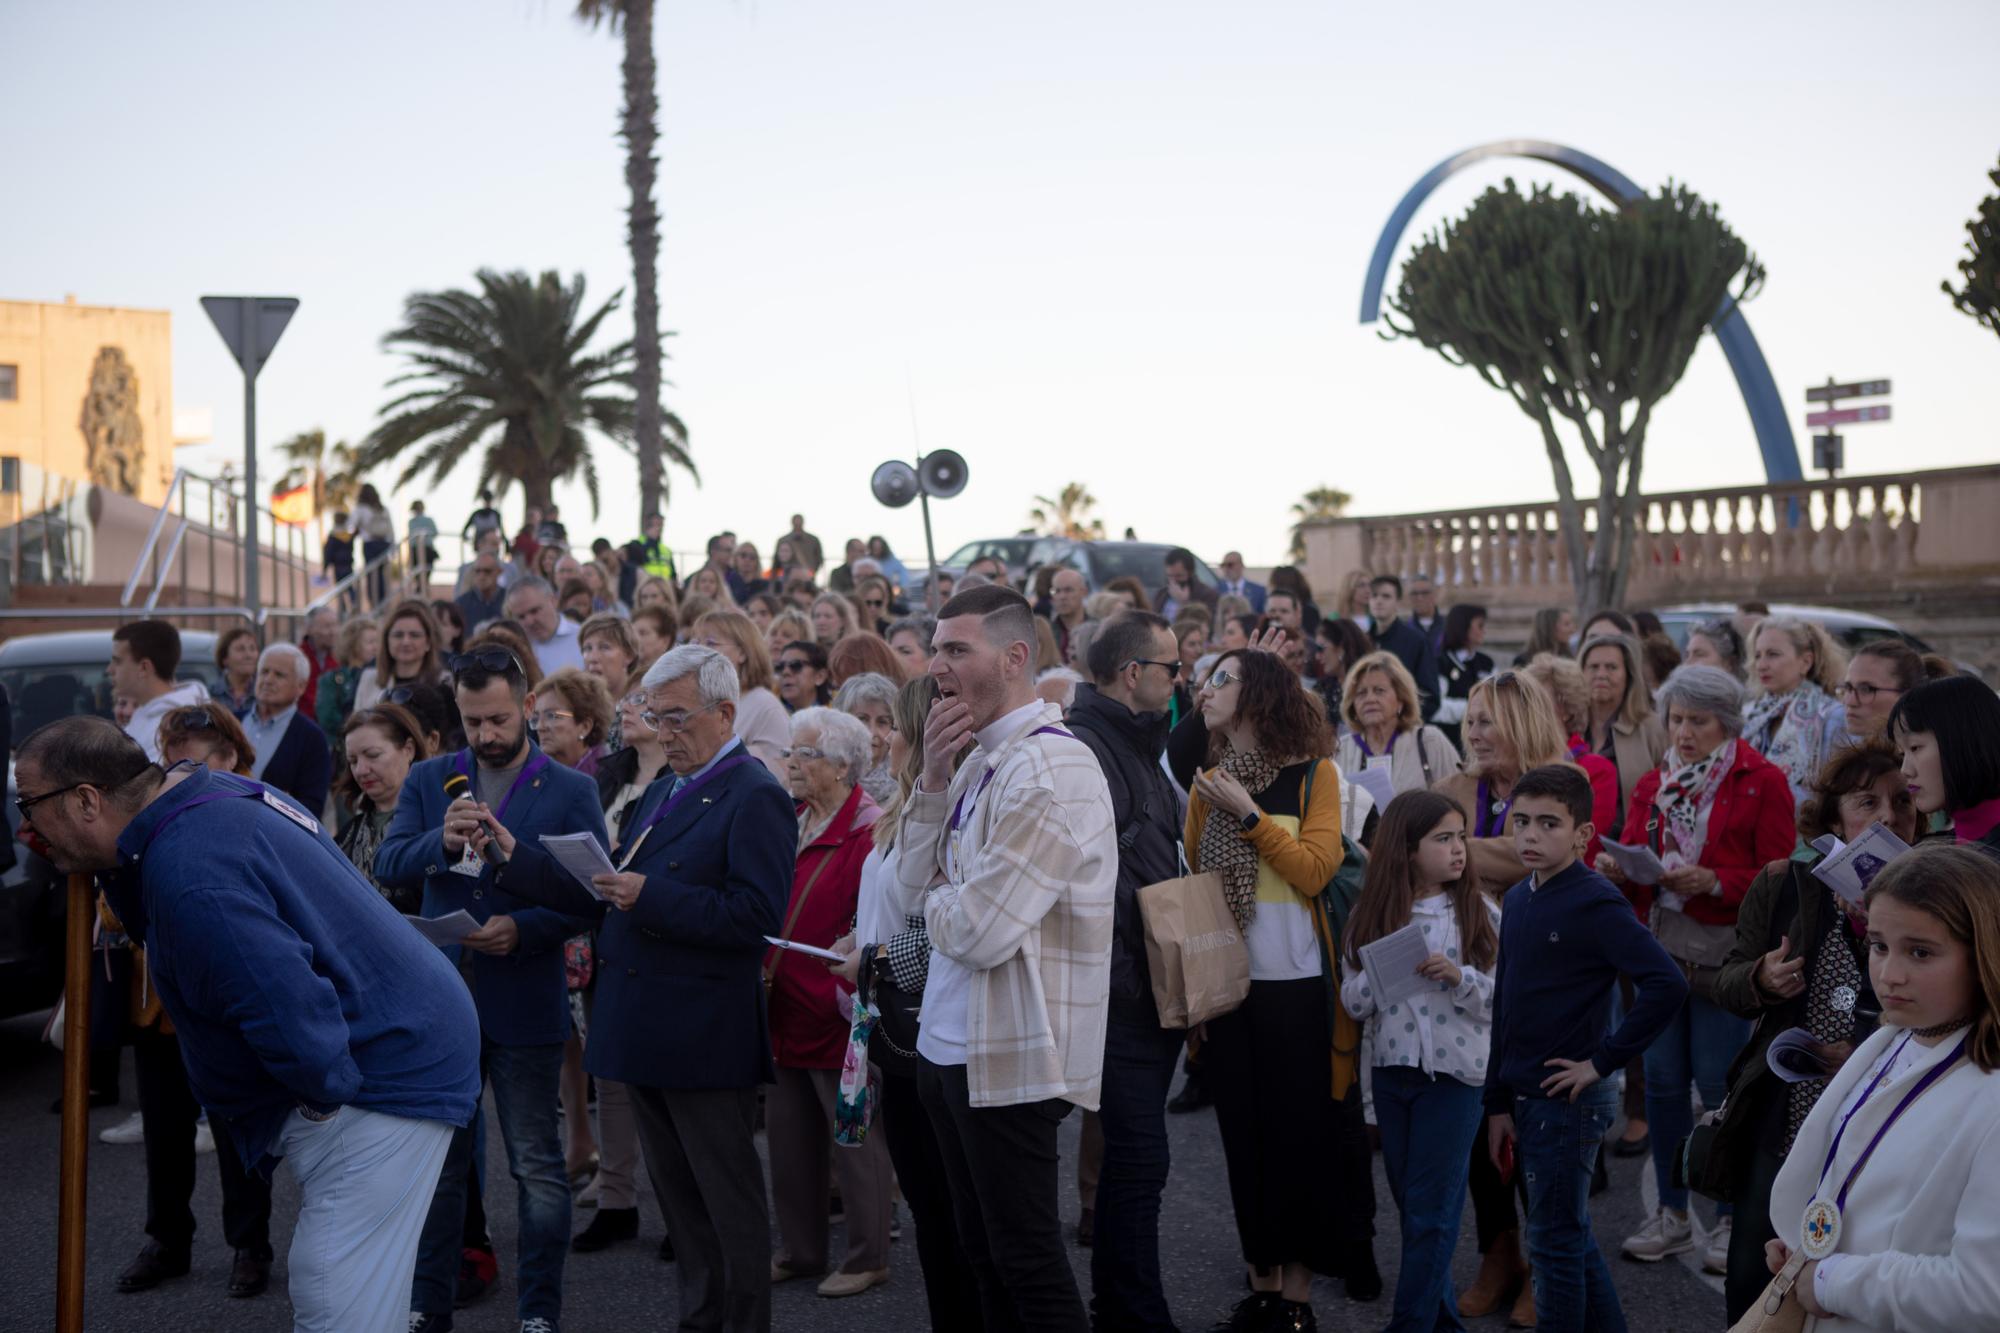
(1980, 269)
(1581, 313)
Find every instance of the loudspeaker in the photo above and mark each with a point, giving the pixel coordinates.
(895, 483)
(943, 474)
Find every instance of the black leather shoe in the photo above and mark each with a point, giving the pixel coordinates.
(610, 1226)
(1192, 1096)
(1256, 1313)
(1364, 1283)
(250, 1274)
(666, 1249)
(155, 1265)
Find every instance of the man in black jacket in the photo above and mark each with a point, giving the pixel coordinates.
(1395, 635)
(1123, 720)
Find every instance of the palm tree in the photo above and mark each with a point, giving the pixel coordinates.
(1067, 515)
(334, 472)
(505, 368)
(642, 231)
(1321, 502)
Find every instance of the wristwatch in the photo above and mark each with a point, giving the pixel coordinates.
(317, 1117)
(1250, 820)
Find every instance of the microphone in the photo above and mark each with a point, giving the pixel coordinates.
(456, 784)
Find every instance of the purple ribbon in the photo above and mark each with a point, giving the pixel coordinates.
(690, 788)
(1483, 817)
(958, 812)
(1936, 1072)
(529, 770)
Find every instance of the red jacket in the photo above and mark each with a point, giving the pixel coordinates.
(1753, 824)
(807, 1029)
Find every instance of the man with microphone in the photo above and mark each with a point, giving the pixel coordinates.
(513, 962)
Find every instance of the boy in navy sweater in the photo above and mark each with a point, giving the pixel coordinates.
(1565, 936)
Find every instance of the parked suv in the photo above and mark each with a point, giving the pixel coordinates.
(1098, 562)
(51, 676)
(1849, 629)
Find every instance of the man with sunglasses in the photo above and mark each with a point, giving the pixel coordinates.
(515, 968)
(1124, 721)
(314, 1024)
(704, 873)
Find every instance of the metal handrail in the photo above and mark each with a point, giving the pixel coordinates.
(123, 613)
(173, 549)
(153, 536)
(353, 580)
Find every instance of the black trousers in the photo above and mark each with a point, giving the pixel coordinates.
(949, 1284)
(702, 1160)
(1002, 1164)
(168, 1110)
(1747, 1273)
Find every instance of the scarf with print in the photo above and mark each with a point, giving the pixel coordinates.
(1686, 796)
(1789, 730)
(1225, 848)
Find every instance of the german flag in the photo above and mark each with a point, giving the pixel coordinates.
(294, 505)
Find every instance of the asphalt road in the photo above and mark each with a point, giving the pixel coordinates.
(626, 1287)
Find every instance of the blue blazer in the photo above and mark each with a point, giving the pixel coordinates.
(680, 988)
(1254, 593)
(522, 997)
(302, 766)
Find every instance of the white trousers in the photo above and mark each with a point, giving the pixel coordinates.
(365, 1186)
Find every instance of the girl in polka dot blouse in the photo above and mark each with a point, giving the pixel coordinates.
(1430, 1030)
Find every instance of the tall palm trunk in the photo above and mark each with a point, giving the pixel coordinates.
(643, 235)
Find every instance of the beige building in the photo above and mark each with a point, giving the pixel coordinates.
(87, 393)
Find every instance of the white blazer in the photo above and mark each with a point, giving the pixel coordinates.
(1919, 1247)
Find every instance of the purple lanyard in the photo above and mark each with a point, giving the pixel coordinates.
(529, 770)
(206, 798)
(1367, 753)
(1936, 1072)
(1484, 819)
(690, 788)
(959, 811)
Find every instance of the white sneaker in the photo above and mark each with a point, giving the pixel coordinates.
(1715, 1256)
(1666, 1232)
(132, 1129)
(204, 1137)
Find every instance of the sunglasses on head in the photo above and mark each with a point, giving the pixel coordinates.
(492, 660)
(190, 719)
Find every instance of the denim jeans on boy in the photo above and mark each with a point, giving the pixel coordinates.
(1126, 1295)
(1415, 1113)
(1693, 1051)
(1556, 1151)
(524, 1082)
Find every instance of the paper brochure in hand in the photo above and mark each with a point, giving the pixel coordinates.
(1849, 868)
(810, 950)
(1376, 782)
(444, 930)
(581, 855)
(1637, 861)
(1392, 964)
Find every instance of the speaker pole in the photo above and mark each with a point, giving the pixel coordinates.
(930, 547)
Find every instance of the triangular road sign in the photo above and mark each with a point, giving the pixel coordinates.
(251, 325)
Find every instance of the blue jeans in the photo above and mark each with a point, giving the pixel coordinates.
(1125, 1285)
(1693, 1051)
(524, 1082)
(1556, 1150)
(1415, 1114)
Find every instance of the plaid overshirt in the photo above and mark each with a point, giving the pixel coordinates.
(1025, 904)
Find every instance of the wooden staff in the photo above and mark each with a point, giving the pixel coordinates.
(76, 1108)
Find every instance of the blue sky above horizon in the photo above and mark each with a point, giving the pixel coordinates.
(1113, 243)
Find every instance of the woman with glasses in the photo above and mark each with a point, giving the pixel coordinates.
(1794, 721)
(1716, 643)
(804, 680)
(1386, 727)
(411, 653)
(1621, 726)
(860, 653)
(356, 647)
(1949, 733)
(760, 719)
(870, 698)
(1881, 672)
(236, 658)
(833, 619)
(571, 713)
(873, 598)
(829, 752)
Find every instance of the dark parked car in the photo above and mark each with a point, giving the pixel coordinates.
(1098, 562)
(1849, 629)
(50, 676)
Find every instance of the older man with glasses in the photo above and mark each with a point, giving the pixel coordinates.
(292, 753)
(703, 874)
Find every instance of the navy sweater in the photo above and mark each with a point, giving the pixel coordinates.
(1562, 948)
(288, 977)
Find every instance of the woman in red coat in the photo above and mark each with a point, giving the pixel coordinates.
(1715, 813)
(829, 753)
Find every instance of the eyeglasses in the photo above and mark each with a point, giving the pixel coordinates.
(26, 803)
(1173, 669)
(802, 752)
(877, 602)
(667, 723)
(1862, 692)
(553, 715)
(792, 664)
(1222, 680)
(491, 659)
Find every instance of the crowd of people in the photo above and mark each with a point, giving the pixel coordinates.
(551, 838)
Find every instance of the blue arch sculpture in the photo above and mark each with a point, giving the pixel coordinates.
(1746, 359)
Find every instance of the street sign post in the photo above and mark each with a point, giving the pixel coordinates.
(251, 326)
(1829, 450)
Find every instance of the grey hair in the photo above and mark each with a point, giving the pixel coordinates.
(844, 740)
(874, 567)
(714, 675)
(303, 664)
(967, 582)
(918, 624)
(527, 583)
(1706, 689)
(1068, 677)
(868, 687)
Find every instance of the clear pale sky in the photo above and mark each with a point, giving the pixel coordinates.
(1110, 242)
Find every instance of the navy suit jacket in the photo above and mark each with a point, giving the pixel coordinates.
(1410, 646)
(1254, 593)
(522, 997)
(680, 988)
(302, 766)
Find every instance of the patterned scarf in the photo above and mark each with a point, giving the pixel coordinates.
(1788, 729)
(1224, 848)
(1832, 988)
(1686, 796)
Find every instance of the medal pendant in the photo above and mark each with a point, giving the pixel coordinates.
(1819, 1229)
(1843, 999)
